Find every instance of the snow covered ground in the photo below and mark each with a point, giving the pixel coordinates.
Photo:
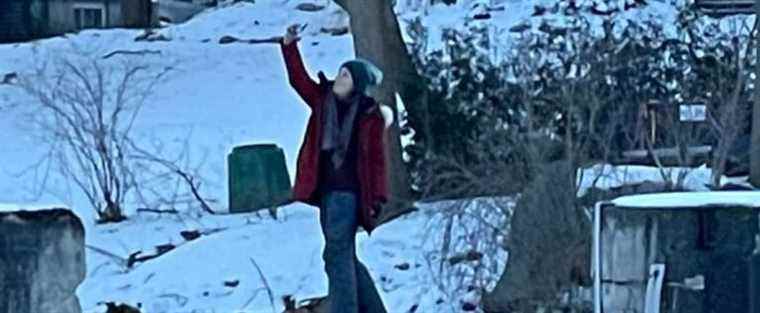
(288, 250)
(219, 96)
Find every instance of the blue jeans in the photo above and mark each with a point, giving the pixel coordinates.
(350, 287)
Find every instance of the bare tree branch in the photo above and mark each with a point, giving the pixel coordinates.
(266, 284)
(86, 112)
(127, 52)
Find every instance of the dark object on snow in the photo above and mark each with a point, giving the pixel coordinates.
(519, 28)
(232, 283)
(276, 39)
(312, 305)
(634, 5)
(539, 10)
(309, 7)
(121, 308)
(600, 12)
(9, 78)
(481, 12)
(554, 30)
(482, 16)
(470, 256)
(157, 211)
(230, 39)
(335, 31)
(151, 36)
(403, 266)
(469, 307)
(190, 235)
(161, 249)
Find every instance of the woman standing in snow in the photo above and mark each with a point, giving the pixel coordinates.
(341, 169)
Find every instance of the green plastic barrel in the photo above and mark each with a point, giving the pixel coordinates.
(258, 178)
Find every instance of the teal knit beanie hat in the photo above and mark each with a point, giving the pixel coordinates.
(364, 74)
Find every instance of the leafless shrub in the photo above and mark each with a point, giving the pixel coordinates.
(470, 253)
(178, 173)
(728, 109)
(84, 110)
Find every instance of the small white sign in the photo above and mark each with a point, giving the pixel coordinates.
(693, 112)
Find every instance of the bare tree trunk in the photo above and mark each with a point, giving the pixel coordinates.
(377, 37)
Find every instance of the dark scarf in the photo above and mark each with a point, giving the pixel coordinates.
(335, 135)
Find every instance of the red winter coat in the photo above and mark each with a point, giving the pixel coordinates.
(371, 161)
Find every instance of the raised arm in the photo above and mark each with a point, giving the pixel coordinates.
(306, 87)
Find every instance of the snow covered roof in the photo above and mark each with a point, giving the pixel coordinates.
(690, 200)
(7, 207)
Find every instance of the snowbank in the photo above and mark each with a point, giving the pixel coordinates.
(606, 176)
(687, 200)
(6, 207)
